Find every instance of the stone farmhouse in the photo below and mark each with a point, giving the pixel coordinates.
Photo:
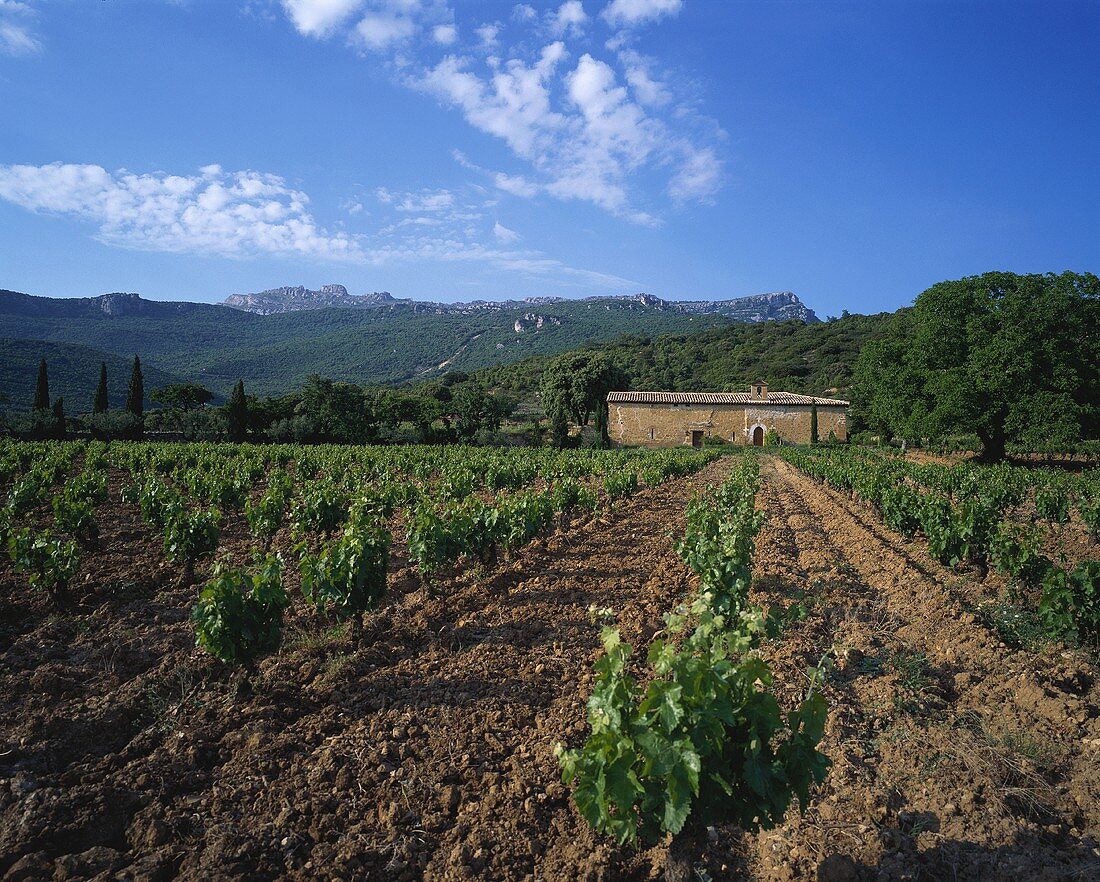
(667, 419)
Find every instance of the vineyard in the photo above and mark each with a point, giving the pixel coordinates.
(249, 661)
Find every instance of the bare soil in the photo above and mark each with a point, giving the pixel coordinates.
(954, 757)
(422, 746)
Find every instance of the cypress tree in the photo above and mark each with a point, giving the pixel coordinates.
(100, 405)
(135, 398)
(59, 418)
(813, 422)
(42, 390)
(237, 411)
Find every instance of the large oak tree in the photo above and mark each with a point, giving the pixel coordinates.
(574, 388)
(1008, 357)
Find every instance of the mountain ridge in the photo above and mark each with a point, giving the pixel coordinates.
(215, 344)
(770, 306)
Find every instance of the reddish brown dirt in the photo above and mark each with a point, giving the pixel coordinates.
(421, 748)
(954, 756)
(924, 457)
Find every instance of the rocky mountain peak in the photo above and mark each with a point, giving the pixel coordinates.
(772, 306)
(120, 303)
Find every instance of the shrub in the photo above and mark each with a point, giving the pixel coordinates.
(706, 743)
(266, 515)
(1052, 503)
(321, 509)
(1088, 506)
(349, 576)
(26, 494)
(522, 516)
(114, 424)
(938, 527)
(621, 484)
(239, 614)
(901, 505)
(1070, 603)
(155, 498)
(1014, 552)
(706, 739)
(48, 561)
(570, 495)
(75, 516)
(431, 540)
(74, 506)
(190, 536)
(974, 522)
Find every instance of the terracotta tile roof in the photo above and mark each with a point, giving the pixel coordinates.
(719, 398)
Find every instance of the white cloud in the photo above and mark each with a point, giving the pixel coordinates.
(378, 31)
(425, 200)
(445, 34)
(594, 130)
(317, 18)
(248, 214)
(615, 137)
(698, 178)
(231, 214)
(488, 34)
(16, 36)
(634, 12)
(532, 264)
(589, 148)
(450, 230)
(504, 235)
(514, 104)
(648, 91)
(517, 185)
(569, 17)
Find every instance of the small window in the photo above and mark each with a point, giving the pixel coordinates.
(651, 433)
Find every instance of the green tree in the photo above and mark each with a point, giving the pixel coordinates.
(183, 396)
(340, 413)
(42, 388)
(474, 409)
(813, 422)
(237, 413)
(100, 405)
(135, 397)
(59, 418)
(574, 388)
(1008, 357)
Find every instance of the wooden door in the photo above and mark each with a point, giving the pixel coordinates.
(758, 436)
(697, 438)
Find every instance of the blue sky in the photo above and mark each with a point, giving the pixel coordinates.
(854, 153)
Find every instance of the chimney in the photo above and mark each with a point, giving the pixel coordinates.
(758, 391)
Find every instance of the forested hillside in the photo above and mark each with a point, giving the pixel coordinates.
(791, 356)
(73, 373)
(216, 345)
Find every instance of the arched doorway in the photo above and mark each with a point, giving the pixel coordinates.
(758, 436)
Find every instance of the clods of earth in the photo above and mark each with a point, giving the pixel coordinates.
(421, 746)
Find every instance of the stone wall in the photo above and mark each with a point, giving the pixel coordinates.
(667, 425)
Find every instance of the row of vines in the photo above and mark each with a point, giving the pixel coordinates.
(1000, 516)
(327, 513)
(705, 741)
